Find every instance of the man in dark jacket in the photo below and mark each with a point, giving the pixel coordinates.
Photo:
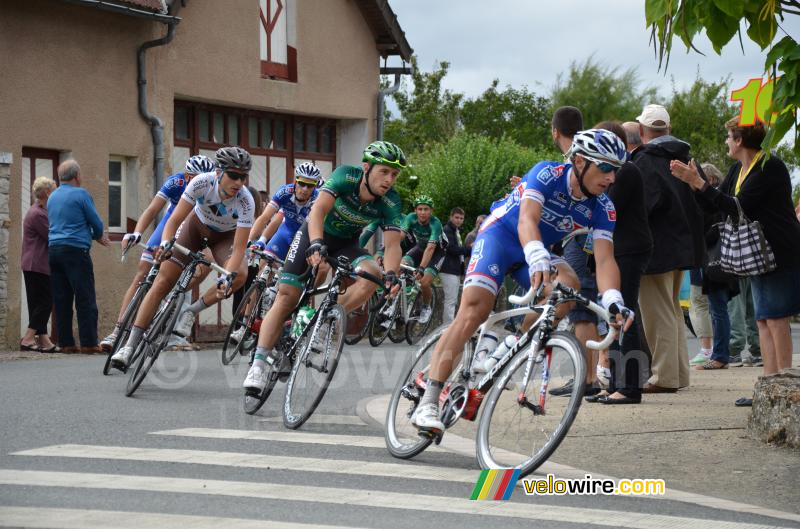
(453, 266)
(677, 227)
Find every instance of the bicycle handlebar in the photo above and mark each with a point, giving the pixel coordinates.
(214, 266)
(265, 255)
(128, 248)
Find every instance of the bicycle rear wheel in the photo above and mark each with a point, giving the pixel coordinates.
(243, 320)
(313, 371)
(151, 344)
(402, 438)
(384, 319)
(414, 329)
(520, 427)
(125, 325)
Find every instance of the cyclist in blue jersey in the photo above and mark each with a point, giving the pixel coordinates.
(553, 200)
(170, 192)
(294, 201)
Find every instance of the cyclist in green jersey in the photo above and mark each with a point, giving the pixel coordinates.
(427, 255)
(350, 199)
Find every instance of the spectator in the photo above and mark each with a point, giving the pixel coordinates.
(764, 190)
(453, 266)
(633, 140)
(35, 269)
(678, 244)
(469, 240)
(567, 121)
(718, 293)
(74, 223)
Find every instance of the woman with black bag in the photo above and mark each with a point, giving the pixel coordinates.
(763, 190)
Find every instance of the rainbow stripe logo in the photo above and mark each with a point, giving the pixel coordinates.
(495, 484)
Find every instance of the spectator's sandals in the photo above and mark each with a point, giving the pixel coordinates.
(711, 364)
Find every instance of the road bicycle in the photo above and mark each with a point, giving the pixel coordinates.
(129, 315)
(310, 356)
(398, 318)
(156, 337)
(242, 336)
(520, 423)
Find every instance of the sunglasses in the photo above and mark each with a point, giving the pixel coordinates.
(606, 167)
(391, 159)
(236, 176)
(304, 184)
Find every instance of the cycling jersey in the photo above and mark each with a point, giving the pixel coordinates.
(349, 215)
(171, 192)
(497, 249)
(218, 214)
(423, 233)
(293, 213)
(368, 232)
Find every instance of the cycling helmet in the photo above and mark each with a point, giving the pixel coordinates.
(198, 164)
(599, 145)
(234, 158)
(307, 172)
(384, 153)
(424, 200)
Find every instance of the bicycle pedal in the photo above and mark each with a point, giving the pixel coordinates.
(435, 435)
(119, 366)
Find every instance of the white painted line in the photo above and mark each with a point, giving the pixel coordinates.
(264, 461)
(348, 420)
(366, 498)
(376, 408)
(279, 436)
(40, 517)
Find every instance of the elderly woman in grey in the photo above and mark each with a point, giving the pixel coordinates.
(36, 269)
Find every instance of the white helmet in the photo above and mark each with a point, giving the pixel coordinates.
(599, 145)
(307, 172)
(199, 164)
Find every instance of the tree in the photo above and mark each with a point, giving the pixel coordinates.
(472, 171)
(698, 116)
(601, 93)
(518, 114)
(428, 114)
(721, 20)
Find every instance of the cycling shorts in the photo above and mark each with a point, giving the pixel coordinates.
(190, 235)
(278, 245)
(414, 257)
(295, 264)
(155, 238)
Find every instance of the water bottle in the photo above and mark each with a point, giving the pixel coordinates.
(267, 299)
(499, 353)
(485, 348)
(302, 319)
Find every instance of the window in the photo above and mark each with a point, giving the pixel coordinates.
(117, 218)
(277, 36)
(318, 136)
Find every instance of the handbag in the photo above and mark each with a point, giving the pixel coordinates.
(744, 251)
(713, 270)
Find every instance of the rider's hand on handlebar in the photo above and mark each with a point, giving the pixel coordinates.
(316, 251)
(419, 273)
(130, 239)
(538, 259)
(260, 244)
(224, 284)
(163, 251)
(392, 283)
(612, 301)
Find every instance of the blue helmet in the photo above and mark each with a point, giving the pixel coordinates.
(198, 164)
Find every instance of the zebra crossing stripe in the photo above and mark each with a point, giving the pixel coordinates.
(42, 517)
(279, 436)
(248, 460)
(365, 498)
(348, 420)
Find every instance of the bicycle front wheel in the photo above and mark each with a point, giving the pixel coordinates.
(313, 370)
(151, 344)
(521, 425)
(242, 337)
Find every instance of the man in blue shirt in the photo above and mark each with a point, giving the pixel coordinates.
(74, 223)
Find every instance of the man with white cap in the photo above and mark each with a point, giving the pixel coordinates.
(677, 227)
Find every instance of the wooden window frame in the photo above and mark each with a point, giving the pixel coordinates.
(274, 70)
(123, 213)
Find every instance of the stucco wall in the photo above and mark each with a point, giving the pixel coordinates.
(69, 84)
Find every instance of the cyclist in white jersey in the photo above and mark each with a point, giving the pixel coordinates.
(216, 206)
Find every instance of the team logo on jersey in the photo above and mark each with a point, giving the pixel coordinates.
(565, 224)
(477, 254)
(550, 173)
(560, 197)
(549, 217)
(612, 214)
(584, 210)
(494, 269)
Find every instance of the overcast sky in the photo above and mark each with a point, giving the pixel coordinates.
(529, 42)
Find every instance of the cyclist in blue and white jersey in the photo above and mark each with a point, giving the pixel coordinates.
(294, 201)
(170, 193)
(553, 200)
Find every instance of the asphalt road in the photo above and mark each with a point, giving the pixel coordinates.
(75, 452)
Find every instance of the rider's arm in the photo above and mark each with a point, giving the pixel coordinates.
(239, 244)
(316, 219)
(607, 270)
(273, 226)
(530, 213)
(261, 222)
(393, 253)
(156, 205)
(179, 214)
(427, 255)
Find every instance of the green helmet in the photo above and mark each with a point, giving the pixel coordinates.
(423, 200)
(384, 153)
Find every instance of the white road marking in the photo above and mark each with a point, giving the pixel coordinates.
(351, 420)
(279, 436)
(366, 498)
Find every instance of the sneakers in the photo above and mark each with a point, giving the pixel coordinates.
(701, 358)
(752, 361)
(122, 356)
(735, 361)
(108, 342)
(183, 327)
(425, 314)
(238, 334)
(256, 379)
(426, 417)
